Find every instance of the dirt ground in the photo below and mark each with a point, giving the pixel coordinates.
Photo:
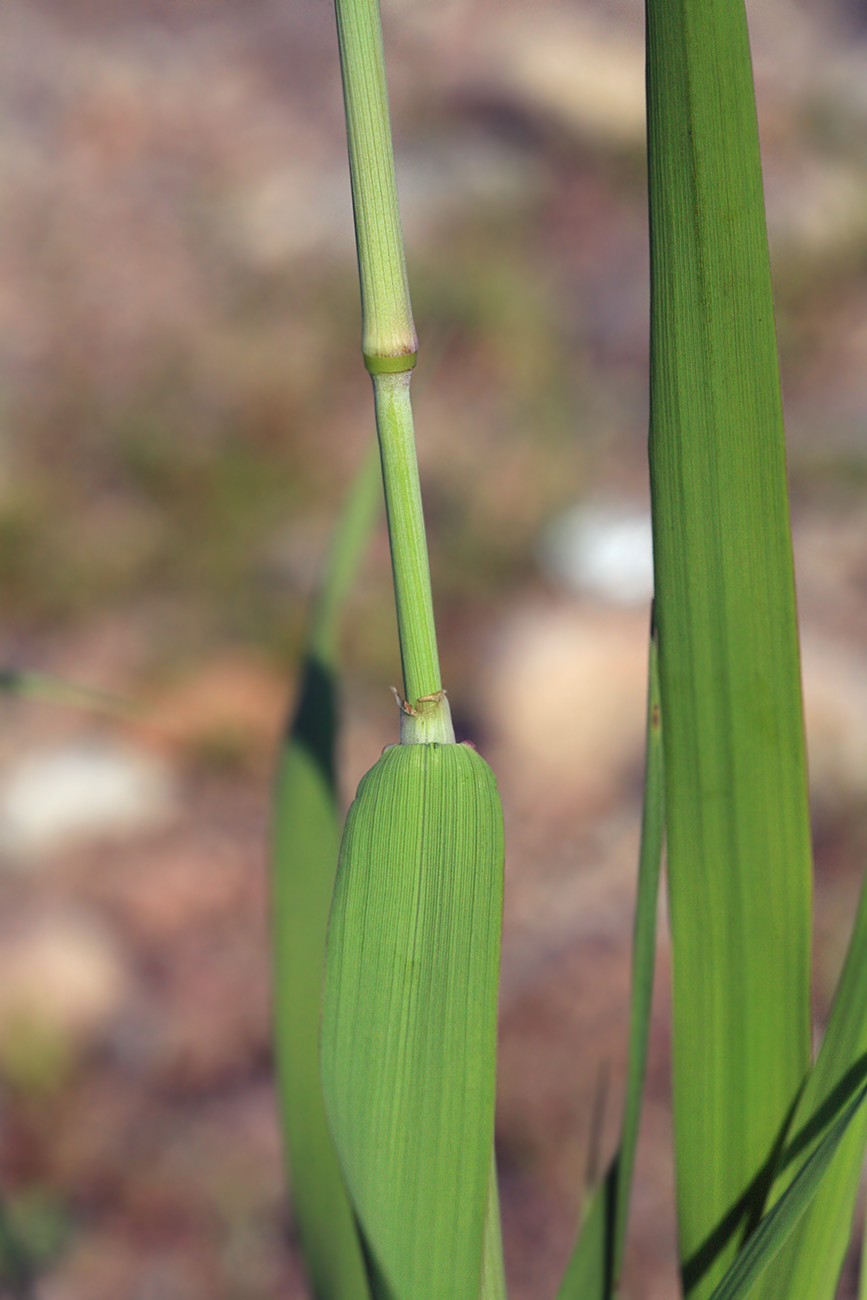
(183, 406)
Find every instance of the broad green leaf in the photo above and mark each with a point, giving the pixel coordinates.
(737, 831)
(775, 1229)
(593, 1271)
(409, 1015)
(305, 845)
(811, 1261)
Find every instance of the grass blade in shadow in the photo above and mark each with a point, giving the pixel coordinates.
(593, 1271)
(811, 1262)
(306, 840)
(776, 1227)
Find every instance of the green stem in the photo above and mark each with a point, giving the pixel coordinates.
(412, 589)
(388, 331)
(389, 347)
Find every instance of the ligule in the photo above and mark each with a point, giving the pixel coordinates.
(409, 1015)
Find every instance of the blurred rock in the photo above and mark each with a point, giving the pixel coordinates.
(835, 706)
(817, 210)
(56, 798)
(830, 544)
(603, 550)
(62, 983)
(304, 209)
(447, 179)
(293, 212)
(585, 74)
(564, 697)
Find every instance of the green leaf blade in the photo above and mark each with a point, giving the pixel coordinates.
(493, 1267)
(409, 1015)
(811, 1261)
(593, 1271)
(305, 842)
(590, 1272)
(761, 1252)
(305, 848)
(736, 810)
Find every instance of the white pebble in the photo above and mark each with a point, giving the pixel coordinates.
(603, 551)
(52, 799)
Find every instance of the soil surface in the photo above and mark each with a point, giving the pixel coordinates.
(183, 409)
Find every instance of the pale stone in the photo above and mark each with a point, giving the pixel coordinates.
(54, 798)
(565, 697)
(605, 550)
(835, 707)
(61, 974)
(586, 74)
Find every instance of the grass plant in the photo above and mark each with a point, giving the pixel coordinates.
(391, 1151)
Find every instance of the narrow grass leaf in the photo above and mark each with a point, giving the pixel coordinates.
(775, 1229)
(305, 846)
(54, 690)
(737, 831)
(409, 1015)
(594, 1269)
(493, 1267)
(589, 1273)
(811, 1262)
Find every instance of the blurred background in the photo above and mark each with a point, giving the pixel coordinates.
(182, 408)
